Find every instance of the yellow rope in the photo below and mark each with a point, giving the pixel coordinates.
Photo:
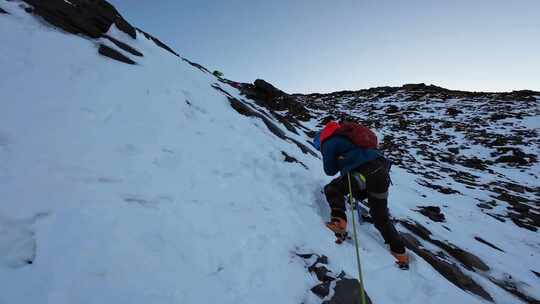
(362, 295)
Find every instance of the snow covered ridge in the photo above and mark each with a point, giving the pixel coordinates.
(128, 176)
(443, 137)
(477, 150)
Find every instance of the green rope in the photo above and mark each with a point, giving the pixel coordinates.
(361, 281)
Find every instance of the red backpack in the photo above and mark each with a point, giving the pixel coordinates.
(359, 135)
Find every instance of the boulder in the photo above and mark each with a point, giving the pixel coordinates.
(90, 18)
(268, 89)
(347, 291)
(432, 212)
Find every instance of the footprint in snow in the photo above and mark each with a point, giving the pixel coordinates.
(17, 241)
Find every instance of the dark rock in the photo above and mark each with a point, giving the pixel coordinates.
(481, 240)
(417, 229)
(454, 150)
(2, 11)
(124, 46)
(322, 273)
(247, 110)
(474, 163)
(159, 43)
(469, 260)
(439, 188)
(453, 111)
(322, 259)
(114, 54)
(450, 271)
(520, 221)
(518, 159)
(432, 212)
(414, 86)
(347, 291)
(392, 109)
(90, 18)
(244, 109)
(321, 290)
(520, 208)
(285, 121)
(290, 159)
(305, 255)
(498, 217)
(269, 90)
(512, 287)
(484, 206)
(266, 95)
(536, 273)
(196, 65)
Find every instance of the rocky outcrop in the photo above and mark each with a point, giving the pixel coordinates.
(124, 46)
(159, 43)
(114, 54)
(265, 94)
(248, 110)
(291, 159)
(450, 271)
(333, 288)
(432, 212)
(481, 240)
(467, 259)
(90, 18)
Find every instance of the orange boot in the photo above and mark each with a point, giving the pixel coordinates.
(402, 259)
(337, 225)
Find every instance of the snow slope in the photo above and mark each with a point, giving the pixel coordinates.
(141, 184)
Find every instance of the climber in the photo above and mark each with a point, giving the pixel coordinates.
(352, 148)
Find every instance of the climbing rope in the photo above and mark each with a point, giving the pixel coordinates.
(361, 281)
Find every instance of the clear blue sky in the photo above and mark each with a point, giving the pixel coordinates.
(323, 46)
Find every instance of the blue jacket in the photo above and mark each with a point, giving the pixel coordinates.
(340, 154)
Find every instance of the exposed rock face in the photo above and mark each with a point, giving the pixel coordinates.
(114, 54)
(2, 11)
(90, 18)
(432, 212)
(291, 159)
(481, 240)
(345, 290)
(450, 271)
(247, 110)
(265, 94)
(124, 46)
(158, 42)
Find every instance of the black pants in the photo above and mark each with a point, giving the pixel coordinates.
(376, 191)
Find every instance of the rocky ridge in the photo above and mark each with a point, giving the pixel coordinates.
(453, 142)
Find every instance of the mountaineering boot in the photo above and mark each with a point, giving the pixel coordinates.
(342, 237)
(402, 259)
(339, 227)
